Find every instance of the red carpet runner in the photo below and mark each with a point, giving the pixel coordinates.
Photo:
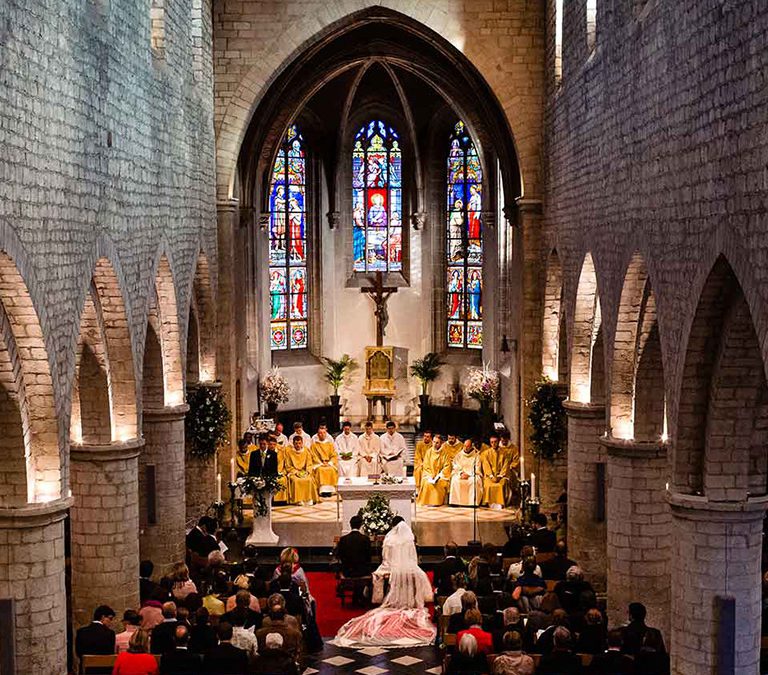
(330, 614)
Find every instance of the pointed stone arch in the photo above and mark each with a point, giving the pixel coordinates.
(553, 322)
(585, 331)
(201, 334)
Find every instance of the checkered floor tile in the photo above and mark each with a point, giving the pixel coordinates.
(406, 660)
(373, 661)
(371, 670)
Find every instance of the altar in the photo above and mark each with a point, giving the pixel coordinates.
(354, 492)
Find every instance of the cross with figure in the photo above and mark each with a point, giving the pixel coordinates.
(380, 295)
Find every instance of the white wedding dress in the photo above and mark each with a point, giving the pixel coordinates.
(403, 619)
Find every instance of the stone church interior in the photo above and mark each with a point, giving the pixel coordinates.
(355, 337)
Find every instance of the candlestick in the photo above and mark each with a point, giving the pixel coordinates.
(533, 486)
(218, 487)
(232, 470)
(522, 464)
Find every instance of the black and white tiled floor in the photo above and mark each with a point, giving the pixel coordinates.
(374, 661)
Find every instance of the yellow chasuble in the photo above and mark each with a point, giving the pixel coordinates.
(418, 459)
(451, 450)
(242, 460)
(495, 464)
(281, 496)
(436, 463)
(325, 463)
(298, 467)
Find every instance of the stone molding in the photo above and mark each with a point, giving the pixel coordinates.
(631, 449)
(584, 410)
(169, 413)
(35, 515)
(227, 205)
(701, 508)
(108, 452)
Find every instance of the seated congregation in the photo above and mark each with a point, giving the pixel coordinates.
(446, 470)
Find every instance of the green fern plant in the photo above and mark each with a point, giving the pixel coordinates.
(427, 369)
(336, 371)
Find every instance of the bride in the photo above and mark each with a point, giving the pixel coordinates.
(402, 620)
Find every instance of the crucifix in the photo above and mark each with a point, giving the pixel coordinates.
(379, 294)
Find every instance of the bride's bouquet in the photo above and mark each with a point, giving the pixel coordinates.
(377, 515)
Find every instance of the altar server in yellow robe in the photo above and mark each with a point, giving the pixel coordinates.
(325, 461)
(242, 457)
(495, 465)
(452, 447)
(418, 455)
(467, 477)
(298, 467)
(282, 495)
(435, 475)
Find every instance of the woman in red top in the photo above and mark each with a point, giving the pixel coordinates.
(136, 661)
(474, 619)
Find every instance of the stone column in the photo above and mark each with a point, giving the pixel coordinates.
(716, 551)
(32, 573)
(586, 535)
(201, 486)
(104, 526)
(638, 526)
(162, 541)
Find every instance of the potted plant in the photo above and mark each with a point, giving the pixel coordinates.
(274, 389)
(426, 370)
(336, 371)
(547, 417)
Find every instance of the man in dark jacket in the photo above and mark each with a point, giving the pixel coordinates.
(542, 538)
(225, 659)
(147, 588)
(633, 634)
(97, 637)
(449, 566)
(263, 461)
(561, 660)
(162, 640)
(556, 567)
(200, 539)
(612, 661)
(354, 551)
(181, 661)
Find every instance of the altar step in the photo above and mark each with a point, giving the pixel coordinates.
(409, 434)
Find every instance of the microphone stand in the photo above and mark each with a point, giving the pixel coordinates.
(474, 542)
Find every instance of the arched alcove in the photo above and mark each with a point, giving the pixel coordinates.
(553, 318)
(201, 334)
(586, 329)
(721, 421)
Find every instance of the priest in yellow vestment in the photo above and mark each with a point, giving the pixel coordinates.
(435, 474)
(452, 447)
(325, 461)
(243, 456)
(298, 468)
(467, 477)
(282, 495)
(418, 455)
(495, 466)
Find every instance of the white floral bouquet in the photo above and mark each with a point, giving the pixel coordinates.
(377, 516)
(483, 384)
(386, 479)
(274, 388)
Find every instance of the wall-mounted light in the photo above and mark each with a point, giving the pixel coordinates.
(504, 345)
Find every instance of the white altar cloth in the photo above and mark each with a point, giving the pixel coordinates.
(355, 492)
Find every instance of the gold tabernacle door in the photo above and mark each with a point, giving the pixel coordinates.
(379, 371)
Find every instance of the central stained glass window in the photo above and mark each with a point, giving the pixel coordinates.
(377, 199)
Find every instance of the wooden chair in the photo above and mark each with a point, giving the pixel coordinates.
(544, 557)
(352, 585)
(93, 663)
(443, 626)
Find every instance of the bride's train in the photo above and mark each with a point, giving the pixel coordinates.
(402, 620)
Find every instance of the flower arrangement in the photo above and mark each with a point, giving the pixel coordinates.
(386, 479)
(274, 388)
(262, 488)
(206, 422)
(377, 515)
(483, 385)
(547, 417)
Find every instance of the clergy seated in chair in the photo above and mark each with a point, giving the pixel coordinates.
(272, 444)
(370, 446)
(302, 488)
(392, 452)
(418, 455)
(467, 477)
(325, 468)
(348, 450)
(435, 475)
(496, 470)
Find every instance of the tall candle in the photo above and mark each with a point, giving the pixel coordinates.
(522, 464)
(218, 487)
(533, 486)
(232, 470)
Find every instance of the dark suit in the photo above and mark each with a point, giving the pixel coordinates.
(181, 662)
(294, 605)
(649, 662)
(266, 466)
(200, 543)
(251, 618)
(163, 637)
(559, 663)
(291, 638)
(556, 568)
(543, 540)
(95, 638)
(354, 552)
(633, 635)
(275, 662)
(444, 571)
(225, 659)
(202, 638)
(612, 662)
(147, 589)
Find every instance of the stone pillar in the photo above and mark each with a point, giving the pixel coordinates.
(716, 551)
(201, 486)
(586, 535)
(162, 541)
(104, 525)
(638, 526)
(32, 573)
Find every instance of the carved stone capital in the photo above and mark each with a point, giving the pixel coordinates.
(418, 220)
(334, 219)
(264, 222)
(489, 218)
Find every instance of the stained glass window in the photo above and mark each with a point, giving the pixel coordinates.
(464, 248)
(377, 206)
(288, 279)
